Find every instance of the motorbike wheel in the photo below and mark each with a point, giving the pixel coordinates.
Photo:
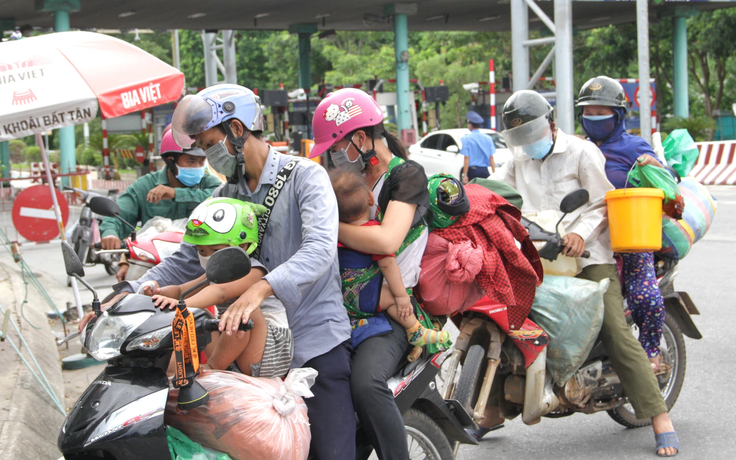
(673, 353)
(468, 385)
(425, 438)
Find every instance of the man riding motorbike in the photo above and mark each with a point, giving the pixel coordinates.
(172, 192)
(547, 165)
(298, 247)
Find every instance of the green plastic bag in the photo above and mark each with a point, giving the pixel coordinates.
(680, 151)
(183, 448)
(649, 176)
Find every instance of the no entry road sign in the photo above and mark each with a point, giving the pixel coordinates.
(33, 213)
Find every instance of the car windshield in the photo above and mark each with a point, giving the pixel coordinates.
(498, 140)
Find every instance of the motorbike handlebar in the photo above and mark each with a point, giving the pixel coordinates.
(98, 246)
(211, 325)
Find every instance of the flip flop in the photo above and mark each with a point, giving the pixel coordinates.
(668, 439)
(480, 432)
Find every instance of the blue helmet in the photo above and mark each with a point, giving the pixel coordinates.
(212, 106)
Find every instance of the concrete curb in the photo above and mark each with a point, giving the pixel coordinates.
(29, 420)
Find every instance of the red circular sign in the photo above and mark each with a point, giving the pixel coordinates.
(140, 155)
(652, 94)
(34, 216)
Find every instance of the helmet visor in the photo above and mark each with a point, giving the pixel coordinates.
(528, 133)
(192, 115)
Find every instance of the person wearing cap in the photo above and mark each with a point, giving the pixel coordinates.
(547, 165)
(478, 149)
(298, 248)
(172, 192)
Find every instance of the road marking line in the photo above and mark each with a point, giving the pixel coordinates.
(38, 213)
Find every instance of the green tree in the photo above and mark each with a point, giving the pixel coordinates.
(16, 151)
(32, 154)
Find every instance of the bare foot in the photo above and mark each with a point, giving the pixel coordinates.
(662, 424)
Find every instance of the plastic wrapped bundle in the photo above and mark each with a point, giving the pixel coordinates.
(678, 236)
(249, 418)
(570, 310)
(446, 281)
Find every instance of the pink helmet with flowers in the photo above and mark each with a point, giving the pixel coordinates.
(341, 113)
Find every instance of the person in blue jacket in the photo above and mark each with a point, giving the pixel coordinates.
(478, 149)
(602, 104)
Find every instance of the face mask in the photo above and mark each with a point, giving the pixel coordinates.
(203, 260)
(190, 176)
(539, 149)
(221, 160)
(599, 127)
(341, 160)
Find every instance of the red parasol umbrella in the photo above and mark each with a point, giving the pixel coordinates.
(58, 80)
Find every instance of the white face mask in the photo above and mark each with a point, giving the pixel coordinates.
(203, 260)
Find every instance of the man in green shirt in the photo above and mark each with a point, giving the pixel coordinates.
(172, 192)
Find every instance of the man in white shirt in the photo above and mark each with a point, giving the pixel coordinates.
(548, 164)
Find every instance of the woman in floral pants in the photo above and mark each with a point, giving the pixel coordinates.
(645, 301)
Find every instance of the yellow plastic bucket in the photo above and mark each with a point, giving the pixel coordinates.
(635, 219)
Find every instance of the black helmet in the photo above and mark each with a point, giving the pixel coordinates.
(523, 107)
(602, 91)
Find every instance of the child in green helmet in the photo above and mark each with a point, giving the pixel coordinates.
(267, 349)
(363, 290)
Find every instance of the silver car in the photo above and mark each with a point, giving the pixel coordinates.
(439, 151)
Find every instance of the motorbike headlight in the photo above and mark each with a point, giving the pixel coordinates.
(110, 332)
(143, 255)
(150, 341)
(165, 248)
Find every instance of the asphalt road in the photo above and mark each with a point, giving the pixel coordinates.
(702, 415)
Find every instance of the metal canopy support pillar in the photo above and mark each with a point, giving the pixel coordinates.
(304, 32)
(645, 95)
(519, 52)
(564, 81)
(681, 101)
(228, 55)
(67, 145)
(5, 159)
(212, 63)
(404, 95)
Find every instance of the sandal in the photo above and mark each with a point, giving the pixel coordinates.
(480, 432)
(664, 440)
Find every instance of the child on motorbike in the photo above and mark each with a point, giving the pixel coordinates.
(363, 289)
(267, 349)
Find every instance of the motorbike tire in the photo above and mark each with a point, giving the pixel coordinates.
(672, 336)
(471, 375)
(425, 438)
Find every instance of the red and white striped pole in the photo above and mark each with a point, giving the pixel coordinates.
(105, 151)
(492, 91)
(150, 141)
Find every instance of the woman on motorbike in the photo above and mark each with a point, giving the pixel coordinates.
(349, 124)
(602, 103)
(172, 192)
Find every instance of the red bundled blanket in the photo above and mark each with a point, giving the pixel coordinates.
(508, 275)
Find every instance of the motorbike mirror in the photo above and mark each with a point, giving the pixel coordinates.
(574, 200)
(71, 261)
(104, 206)
(228, 264)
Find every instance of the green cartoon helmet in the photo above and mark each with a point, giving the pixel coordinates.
(224, 221)
(447, 200)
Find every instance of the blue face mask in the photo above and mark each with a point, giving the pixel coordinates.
(599, 127)
(190, 176)
(539, 149)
